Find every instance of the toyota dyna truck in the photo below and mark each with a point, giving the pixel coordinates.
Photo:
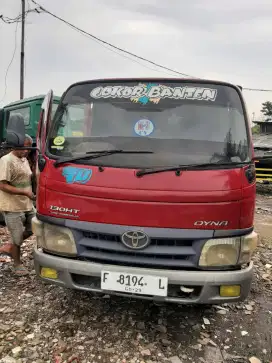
(146, 188)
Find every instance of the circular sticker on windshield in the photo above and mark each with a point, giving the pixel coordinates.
(59, 140)
(144, 127)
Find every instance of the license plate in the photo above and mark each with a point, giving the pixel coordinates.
(134, 284)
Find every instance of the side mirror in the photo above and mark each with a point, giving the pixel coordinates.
(15, 131)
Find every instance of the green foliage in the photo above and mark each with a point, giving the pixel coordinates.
(267, 109)
(255, 129)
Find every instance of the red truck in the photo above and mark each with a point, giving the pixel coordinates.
(146, 188)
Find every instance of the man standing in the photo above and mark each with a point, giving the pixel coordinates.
(16, 201)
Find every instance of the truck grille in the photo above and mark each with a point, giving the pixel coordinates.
(161, 252)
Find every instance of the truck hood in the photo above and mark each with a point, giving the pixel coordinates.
(205, 199)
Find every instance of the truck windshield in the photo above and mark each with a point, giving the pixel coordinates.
(178, 122)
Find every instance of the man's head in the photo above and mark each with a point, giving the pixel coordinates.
(23, 153)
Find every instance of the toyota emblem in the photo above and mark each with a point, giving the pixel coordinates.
(135, 240)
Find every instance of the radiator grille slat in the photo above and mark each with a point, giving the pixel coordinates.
(161, 252)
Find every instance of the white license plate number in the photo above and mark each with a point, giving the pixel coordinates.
(134, 284)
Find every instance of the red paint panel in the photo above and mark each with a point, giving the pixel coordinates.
(146, 214)
(117, 196)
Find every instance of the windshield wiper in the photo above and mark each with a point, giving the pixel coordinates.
(179, 168)
(98, 154)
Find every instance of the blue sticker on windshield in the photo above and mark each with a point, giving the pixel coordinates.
(76, 175)
(144, 127)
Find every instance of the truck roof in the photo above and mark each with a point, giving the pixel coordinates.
(26, 100)
(156, 79)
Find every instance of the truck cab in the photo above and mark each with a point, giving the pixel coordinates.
(146, 188)
(29, 109)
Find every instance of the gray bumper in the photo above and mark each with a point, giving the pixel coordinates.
(86, 276)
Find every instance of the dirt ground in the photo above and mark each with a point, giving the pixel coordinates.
(41, 323)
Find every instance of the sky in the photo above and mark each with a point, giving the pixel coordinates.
(226, 40)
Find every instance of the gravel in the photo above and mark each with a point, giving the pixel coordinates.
(47, 324)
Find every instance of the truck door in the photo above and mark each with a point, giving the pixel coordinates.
(44, 122)
(41, 137)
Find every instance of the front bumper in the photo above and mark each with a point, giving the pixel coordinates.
(85, 276)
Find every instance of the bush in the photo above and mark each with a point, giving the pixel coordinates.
(255, 129)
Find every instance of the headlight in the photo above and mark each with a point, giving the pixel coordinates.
(220, 252)
(54, 238)
(228, 251)
(59, 239)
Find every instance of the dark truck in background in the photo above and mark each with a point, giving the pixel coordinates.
(30, 110)
(262, 142)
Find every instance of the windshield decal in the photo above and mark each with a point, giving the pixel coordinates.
(144, 127)
(59, 140)
(144, 93)
(76, 175)
(58, 143)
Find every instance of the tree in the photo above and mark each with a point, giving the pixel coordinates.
(267, 109)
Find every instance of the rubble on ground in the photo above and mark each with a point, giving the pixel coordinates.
(46, 324)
